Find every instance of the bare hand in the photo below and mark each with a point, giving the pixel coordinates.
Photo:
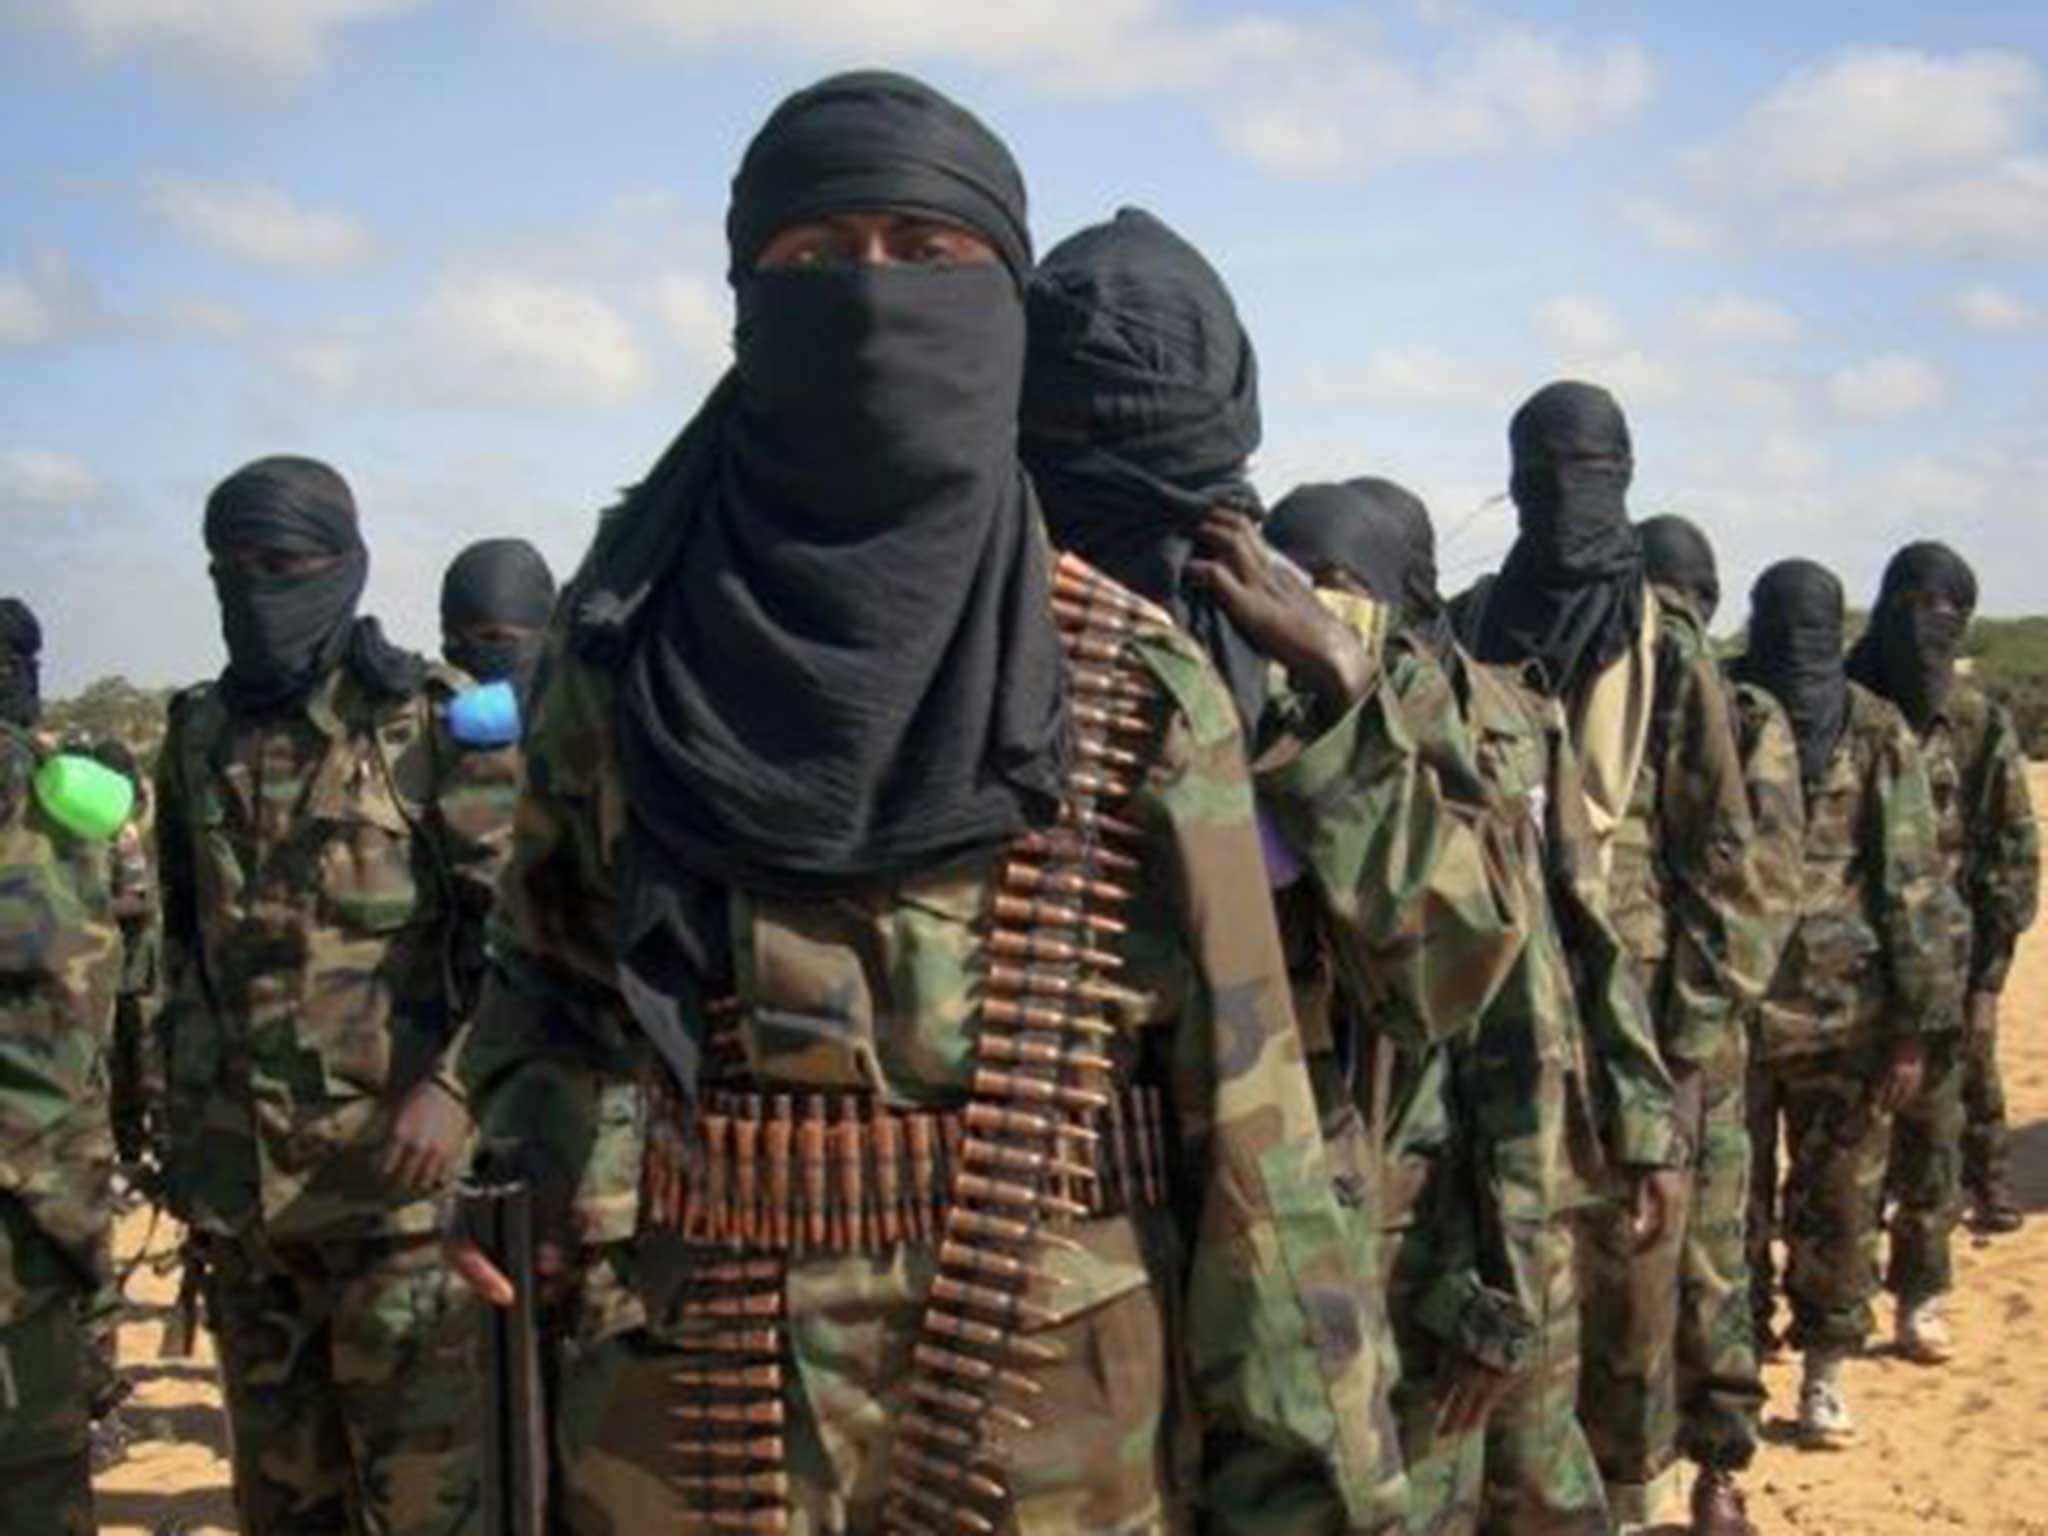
(1900, 1084)
(1654, 1207)
(1277, 611)
(1475, 1393)
(474, 1269)
(427, 1135)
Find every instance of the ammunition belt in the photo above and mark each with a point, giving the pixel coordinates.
(1043, 1088)
(843, 1173)
(725, 1394)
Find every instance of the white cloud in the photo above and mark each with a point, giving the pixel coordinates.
(1667, 228)
(209, 319)
(262, 224)
(34, 480)
(697, 313)
(1987, 307)
(1316, 95)
(1790, 459)
(45, 302)
(1402, 376)
(1892, 151)
(1736, 317)
(493, 337)
(1892, 385)
(1578, 324)
(254, 45)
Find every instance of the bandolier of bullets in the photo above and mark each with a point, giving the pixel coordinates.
(1044, 1090)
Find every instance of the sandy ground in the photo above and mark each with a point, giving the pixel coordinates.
(1960, 1449)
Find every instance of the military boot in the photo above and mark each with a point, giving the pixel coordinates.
(1824, 1421)
(1993, 1208)
(1718, 1508)
(1922, 1333)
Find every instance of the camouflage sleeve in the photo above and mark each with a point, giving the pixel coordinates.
(549, 1061)
(1423, 921)
(1717, 964)
(2004, 870)
(475, 792)
(1913, 896)
(1777, 802)
(183, 973)
(1286, 1380)
(1632, 1082)
(59, 964)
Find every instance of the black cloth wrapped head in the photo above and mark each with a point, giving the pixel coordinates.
(1570, 595)
(499, 583)
(1796, 617)
(1924, 607)
(1141, 410)
(829, 603)
(21, 649)
(1677, 554)
(1376, 532)
(286, 633)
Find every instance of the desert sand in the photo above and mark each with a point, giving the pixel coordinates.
(1958, 1449)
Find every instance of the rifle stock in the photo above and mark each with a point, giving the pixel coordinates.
(515, 1471)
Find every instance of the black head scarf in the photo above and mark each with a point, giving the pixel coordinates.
(1468, 610)
(21, 649)
(1570, 593)
(1379, 533)
(497, 582)
(1795, 652)
(285, 634)
(1677, 554)
(1141, 408)
(1908, 654)
(829, 601)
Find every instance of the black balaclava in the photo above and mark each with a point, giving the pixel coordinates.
(1376, 531)
(1570, 593)
(21, 649)
(497, 582)
(1141, 409)
(830, 601)
(285, 634)
(1908, 654)
(1677, 554)
(1795, 653)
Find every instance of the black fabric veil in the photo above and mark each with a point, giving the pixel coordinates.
(1570, 594)
(1141, 410)
(1908, 653)
(21, 647)
(1796, 616)
(1676, 553)
(1379, 533)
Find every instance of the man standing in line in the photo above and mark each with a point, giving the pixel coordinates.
(328, 846)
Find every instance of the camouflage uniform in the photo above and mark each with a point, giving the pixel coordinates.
(59, 959)
(1953, 1134)
(1867, 965)
(1680, 1375)
(1500, 1130)
(1212, 1359)
(1777, 801)
(326, 876)
(133, 884)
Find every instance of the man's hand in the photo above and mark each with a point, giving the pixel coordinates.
(1900, 1084)
(1653, 1206)
(1277, 611)
(1980, 1016)
(474, 1269)
(1476, 1391)
(427, 1135)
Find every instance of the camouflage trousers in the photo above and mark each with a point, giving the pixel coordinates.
(1925, 1178)
(1764, 1107)
(1837, 1142)
(1540, 1475)
(1444, 1471)
(45, 1474)
(1986, 1157)
(352, 1394)
(1675, 1370)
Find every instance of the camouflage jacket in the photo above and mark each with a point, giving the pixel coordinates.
(1777, 804)
(1869, 957)
(1683, 885)
(1990, 846)
(1215, 1355)
(326, 877)
(132, 883)
(59, 962)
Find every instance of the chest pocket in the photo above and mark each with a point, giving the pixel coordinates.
(1834, 948)
(367, 863)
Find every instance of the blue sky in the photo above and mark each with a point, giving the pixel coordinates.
(470, 253)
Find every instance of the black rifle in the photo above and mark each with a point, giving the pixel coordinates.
(497, 1211)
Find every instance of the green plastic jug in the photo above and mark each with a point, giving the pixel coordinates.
(85, 797)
